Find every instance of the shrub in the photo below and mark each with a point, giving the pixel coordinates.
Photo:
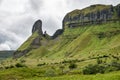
(23, 61)
(99, 68)
(93, 69)
(62, 68)
(50, 73)
(115, 64)
(99, 61)
(72, 66)
(9, 67)
(20, 65)
(41, 64)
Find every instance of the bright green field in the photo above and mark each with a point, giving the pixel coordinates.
(110, 76)
(30, 74)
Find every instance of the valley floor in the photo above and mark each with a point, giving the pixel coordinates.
(36, 74)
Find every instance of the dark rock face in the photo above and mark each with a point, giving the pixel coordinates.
(38, 27)
(81, 17)
(18, 54)
(118, 10)
(36, 42)
(57, 33)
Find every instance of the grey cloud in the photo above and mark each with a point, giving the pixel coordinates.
(2, 38)
(50, 25)
(36, 4)
(1, 1)
(22, 27)
(79, 4)
(5, 38)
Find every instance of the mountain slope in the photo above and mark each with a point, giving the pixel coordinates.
(89, 37)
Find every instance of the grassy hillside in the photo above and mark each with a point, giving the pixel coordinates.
(81, 42)
(27, 43)
(94, 47)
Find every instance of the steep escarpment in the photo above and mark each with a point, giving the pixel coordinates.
(95, 14)
(86, 34)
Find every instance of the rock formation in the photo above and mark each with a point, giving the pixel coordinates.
(38, 27)
(57, 33)
(118, 10)
(95, 14)
(36, 42)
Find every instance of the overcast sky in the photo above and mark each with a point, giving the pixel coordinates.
(18, 16)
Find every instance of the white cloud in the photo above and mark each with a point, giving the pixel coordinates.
(4, 47)
(18, 16)
(13, 6)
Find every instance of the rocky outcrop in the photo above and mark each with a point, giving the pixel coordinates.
(57, 33)
(95, 14)
(118, 10)
(37, 27)
(18, 54)
(36, 42)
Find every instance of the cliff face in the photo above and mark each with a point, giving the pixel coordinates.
(94, 14)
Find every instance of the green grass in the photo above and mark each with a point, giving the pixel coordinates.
(28, 42)
(39, 74)
(82, 45)
(79, 42)
(110, 76)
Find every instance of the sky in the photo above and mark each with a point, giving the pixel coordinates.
(18, 16)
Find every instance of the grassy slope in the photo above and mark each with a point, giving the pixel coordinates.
(76, 43)
(109, 76)
(81, 42)
(27, 43)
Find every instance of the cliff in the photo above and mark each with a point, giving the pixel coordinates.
(94, 14)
